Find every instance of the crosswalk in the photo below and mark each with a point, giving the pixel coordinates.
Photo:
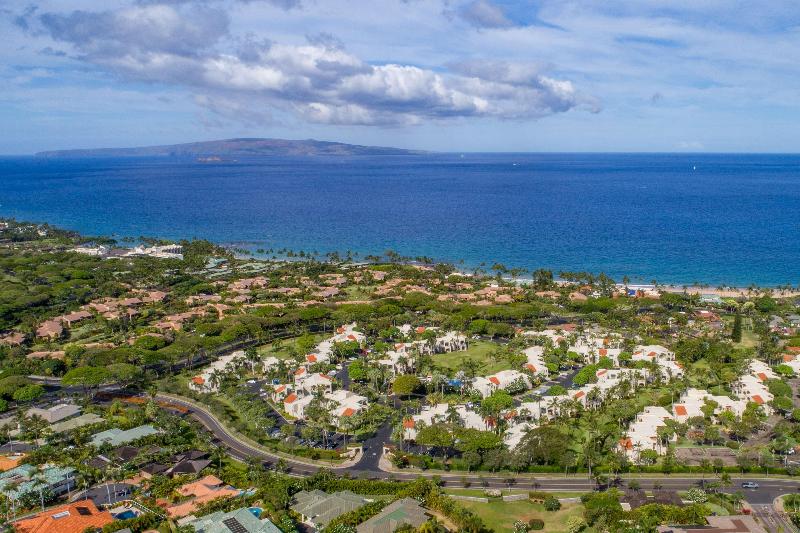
(772, 520)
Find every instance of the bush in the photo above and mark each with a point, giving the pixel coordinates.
(538, 496)
(575, 524)
(535, 524)
(552, 504)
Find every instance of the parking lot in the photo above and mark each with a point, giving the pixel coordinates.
(273, 423)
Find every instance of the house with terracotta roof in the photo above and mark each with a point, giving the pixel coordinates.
(295, 405)
(753, 389)
(51, 329)
(434, 414)
(311, 383)
(77, 517)
(345, 404)
(502, 380)
(535, 363)
(10, 461)
(200, 492)
(663, 357)
(692, 401)
(642, 433)
(12, 339)
(205, 381)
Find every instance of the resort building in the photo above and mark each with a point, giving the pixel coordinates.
(643, 435)
(664, 358)
(535, 363)
(209, 379)
(692, 401)
(502, 380)
(440, 413)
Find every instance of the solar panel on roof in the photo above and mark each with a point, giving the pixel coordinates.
(234, 525)
(83, 511)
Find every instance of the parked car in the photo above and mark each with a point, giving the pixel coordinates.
(749, 485)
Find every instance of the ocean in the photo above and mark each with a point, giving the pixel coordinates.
(674, 218)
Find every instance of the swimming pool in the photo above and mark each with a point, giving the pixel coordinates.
(125, 515)
(256, 511)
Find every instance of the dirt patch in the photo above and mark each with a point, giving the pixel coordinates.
(693, 456)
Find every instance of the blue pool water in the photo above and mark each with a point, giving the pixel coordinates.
(712, 218)
(256, 511)
(125, 515)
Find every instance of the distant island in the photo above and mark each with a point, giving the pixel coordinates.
(228, 148)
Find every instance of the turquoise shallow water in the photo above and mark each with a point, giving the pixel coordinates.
(713, 218)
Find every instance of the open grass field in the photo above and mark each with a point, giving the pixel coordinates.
(284, 348)
(478, 351)
(500, 516)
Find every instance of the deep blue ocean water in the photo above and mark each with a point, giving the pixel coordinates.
(714, 218)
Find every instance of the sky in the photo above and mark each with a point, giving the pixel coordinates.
(443, 75)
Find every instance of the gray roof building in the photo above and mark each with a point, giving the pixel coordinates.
(241, 520)
(401, 512)
(319, 508)
(116, 436)
(55, 413)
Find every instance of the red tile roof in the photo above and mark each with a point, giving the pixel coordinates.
(680, 410)
(71, 518)
(349, 412)
(290, 399)
(494, 380)
(758, 399)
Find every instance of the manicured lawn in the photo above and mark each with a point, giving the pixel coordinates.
(501, 516)
(283, 352)
(478, 351)
(717, 509)
(481, 492)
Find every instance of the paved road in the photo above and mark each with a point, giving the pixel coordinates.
(772, 520)
(368, 466)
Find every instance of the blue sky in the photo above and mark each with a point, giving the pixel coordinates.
(451, 75)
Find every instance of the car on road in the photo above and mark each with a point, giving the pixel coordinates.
(749, 485)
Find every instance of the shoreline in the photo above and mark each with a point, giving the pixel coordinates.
(460, 266)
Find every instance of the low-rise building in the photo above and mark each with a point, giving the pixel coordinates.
(240, 520)
(502, 380)
(317, 508)
(55, 413)
(643, 432)
(26, 478)
(117, 437)
(75, 517)
(201, 492)
(404, 512)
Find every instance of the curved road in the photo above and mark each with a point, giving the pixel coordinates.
(368, 466)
